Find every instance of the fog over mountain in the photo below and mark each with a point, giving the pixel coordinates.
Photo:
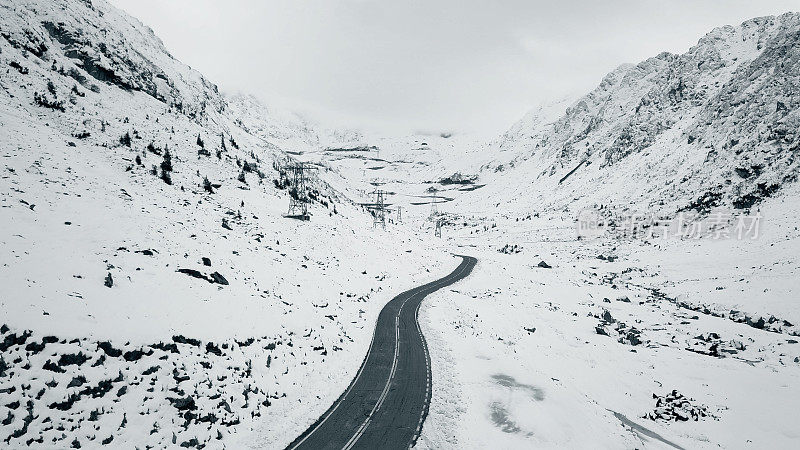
(443, 65)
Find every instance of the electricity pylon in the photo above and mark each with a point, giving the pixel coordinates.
(298, 194)
(379, 209)
(434, 201)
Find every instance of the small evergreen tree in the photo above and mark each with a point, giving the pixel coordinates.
(166, 164)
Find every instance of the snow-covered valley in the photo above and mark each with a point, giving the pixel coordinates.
(154, 294)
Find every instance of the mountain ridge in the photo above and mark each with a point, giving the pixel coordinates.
(736, 86)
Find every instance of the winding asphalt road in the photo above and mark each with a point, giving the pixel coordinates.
(386, 403)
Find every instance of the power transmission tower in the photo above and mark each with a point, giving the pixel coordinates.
(399, 214)
(434, 201)
(380, 209)
(298, 194)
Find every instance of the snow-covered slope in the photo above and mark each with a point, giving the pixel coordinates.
(713, 126)
(634, 340)
(289, 130)
(152, 293)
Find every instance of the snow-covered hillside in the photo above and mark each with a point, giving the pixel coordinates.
(643, 339)
(152, 292)
(715, 126)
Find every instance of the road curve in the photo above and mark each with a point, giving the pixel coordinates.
(386, 403)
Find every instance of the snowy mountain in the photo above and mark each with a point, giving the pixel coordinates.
(152, 291)
(715, 126)
(289, 130)
(682, 339)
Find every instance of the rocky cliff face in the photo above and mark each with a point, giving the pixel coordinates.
(717, 122)
(96, 44)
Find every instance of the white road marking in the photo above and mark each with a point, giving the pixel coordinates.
(349, 388)
(384, 393)
(367, 421)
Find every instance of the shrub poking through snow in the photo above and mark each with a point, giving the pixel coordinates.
(510, 249)
(44, 102)
(125, 139)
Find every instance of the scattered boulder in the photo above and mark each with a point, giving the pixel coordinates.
(676, 407)
(49, 365)
(193, 273)
(66, 405)
(71, 359)
(109, 349)
(213, 349)
(135, 355)
(12, 340)
(78, 381)
(183, 404)
(215, 277)
(180, 339)
(219, 279)
(171, 348)
(35, 347)
(711, 344)
(100, 390)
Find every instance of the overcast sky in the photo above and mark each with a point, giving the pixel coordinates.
(428, 65)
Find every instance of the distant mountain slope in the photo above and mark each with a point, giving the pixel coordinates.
(289, 130)
(716, 125)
